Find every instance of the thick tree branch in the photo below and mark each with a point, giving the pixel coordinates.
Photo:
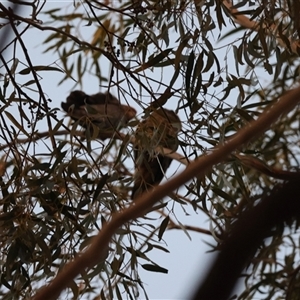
(199, 167)
(245, 237)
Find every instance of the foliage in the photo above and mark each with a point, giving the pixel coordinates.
(58, 189)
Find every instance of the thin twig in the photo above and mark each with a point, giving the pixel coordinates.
(191, 228)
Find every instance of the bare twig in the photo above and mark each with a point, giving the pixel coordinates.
(247, 233)
(10, 14)
(191, 228)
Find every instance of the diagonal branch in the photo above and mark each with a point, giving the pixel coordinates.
(143, 203)
(251, 228)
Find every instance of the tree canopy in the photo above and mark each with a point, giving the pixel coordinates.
(229, 70)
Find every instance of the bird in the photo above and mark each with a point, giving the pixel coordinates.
(102, 113)
(159, 129)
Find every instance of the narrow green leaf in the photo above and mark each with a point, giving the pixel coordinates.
(102, 295)
(14, 66)
(154, 268)
(178, 54)
(247, 58)
(100, 185)
(73, 286)
(160, 248)
(16, 123)
(209, 63)
(198, 68)
(4, 282)
(22, 113)
(30, 82)
(244, 114)
(79, 62)
(278, 64)
(163, 226)
(124, 34)
(45, 250)
(188, 75)
(39, 68)
(119, 295)
(165, 34)
(152, 62)
(224, 195)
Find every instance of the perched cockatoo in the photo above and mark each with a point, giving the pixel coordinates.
(159, 129)
(101, 111)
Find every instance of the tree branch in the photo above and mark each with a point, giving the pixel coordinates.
(143, 203)
(191, 228)
(251, 228)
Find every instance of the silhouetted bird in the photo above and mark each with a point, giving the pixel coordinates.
(100, 113)
(159, 129)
